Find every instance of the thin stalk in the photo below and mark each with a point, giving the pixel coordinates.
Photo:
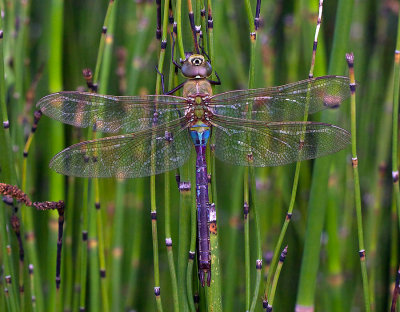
(276, 278)
(179, 28)
(214, 292)
(84, 230)
(155, 243)
(357, 195)
(253, 41)
(246, 235)
(184, 216)
(7, 173)
(57, 182)
(258, 240)
(395, 122)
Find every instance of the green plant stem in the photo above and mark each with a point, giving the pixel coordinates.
(258, 238)
(357, 195)
(396, 82)
(179, 28)
(84, 230)
(57, 182)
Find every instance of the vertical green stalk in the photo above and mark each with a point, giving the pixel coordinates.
(253, 42)
(57, 182)
(395, 134)
(179, 28)
(357, 195)
(7, 173)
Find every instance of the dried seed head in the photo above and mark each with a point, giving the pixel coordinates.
(15, 192)
(47, 205)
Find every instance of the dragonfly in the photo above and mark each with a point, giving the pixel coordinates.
(254, 127)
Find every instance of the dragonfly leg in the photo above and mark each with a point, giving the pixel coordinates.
(209, 278)
(163, 85)
(218, 82)
(177, 66)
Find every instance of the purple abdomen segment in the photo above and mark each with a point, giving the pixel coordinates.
(203, 215)
(200, 135)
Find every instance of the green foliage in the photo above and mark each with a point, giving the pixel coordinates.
(45, 46)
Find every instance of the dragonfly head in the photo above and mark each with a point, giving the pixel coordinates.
(196, 67)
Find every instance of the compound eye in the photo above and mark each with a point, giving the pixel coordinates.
(197, 61)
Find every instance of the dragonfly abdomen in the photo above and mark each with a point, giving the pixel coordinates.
(203, 211)
(200, 134)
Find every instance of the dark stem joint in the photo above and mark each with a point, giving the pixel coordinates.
(84, 236)
(191, 255)
(210, 24)
(245, 210)
(352, 87)
(25, 154)
(58, 282)
(102, 273)
(1, 34)
(265, 304)
(163, 44)
(203, 12)
(283, 254)
(8, 279)
(253, 36)
(30, 269)
(6, 124)
(97, 205)
(258, 264)
(395, 176)
(184, 186)
(289, 216)
(196, 298)
(315, 44)
(362, 254)
(268, 257)
(157, 291)
(104, 30)
(154, 215)
(168, 242)
(350, 59)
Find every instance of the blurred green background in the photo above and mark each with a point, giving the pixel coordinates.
(47, 44)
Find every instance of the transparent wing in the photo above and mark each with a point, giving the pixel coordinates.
(145, 153)
(109, 113)
(275, 143)
(283, 103)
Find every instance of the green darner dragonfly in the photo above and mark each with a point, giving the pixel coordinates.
(256, 127)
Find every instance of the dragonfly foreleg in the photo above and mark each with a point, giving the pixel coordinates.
(216, 83)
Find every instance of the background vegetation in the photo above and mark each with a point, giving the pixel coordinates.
(46, 45)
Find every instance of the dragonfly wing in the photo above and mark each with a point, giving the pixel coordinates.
(287, 102)
(140, 154)
(109, 113)
(251, 143)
